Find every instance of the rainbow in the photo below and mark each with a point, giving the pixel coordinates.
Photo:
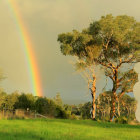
(28, 49)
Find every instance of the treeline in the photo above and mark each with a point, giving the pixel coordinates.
(125, 109)
(28, 102)
(56, 109)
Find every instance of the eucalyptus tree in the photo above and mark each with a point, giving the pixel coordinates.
(118, 41)
(128, 107)
(103, 103)
(80, 45)
(89, 72)
(127, 81)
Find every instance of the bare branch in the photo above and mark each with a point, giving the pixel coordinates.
(126, 61)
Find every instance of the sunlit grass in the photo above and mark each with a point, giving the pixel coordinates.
(53, 129)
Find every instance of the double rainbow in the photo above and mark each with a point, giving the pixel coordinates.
(28, 49)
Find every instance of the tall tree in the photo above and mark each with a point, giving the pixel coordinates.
(120, 40)
(88, 73)
(117, 38)
(81, 45)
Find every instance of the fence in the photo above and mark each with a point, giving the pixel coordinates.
(19, 113)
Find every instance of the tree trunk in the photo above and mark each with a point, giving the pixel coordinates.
(114, 95)
(112, 113)
(118, 108)
(93, 93)
(130, 111)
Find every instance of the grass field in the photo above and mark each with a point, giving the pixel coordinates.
(53, 129)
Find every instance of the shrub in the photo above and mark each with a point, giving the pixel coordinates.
(60, 113)
(121, 120)
(73, 117)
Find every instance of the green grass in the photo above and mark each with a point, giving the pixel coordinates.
(53, 129)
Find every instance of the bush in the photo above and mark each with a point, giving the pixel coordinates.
(131, 117)
(73, 117)
(85, 110)
(60, 113)
(121, 120)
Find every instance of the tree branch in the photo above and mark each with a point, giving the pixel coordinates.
(126, 61)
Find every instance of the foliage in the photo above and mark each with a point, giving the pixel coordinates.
(28, 102)
(2, 99)
(60, 113)
(119, 49)
(81, 45)
(121, 120)
(48, 107)
(25, 101)
(86, 110)
(112, 43)
(10, 101)
(57, 99)
(75, 110)
(68, 109)
(103, 105)
(128, 107)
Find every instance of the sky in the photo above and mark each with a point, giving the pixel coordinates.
(45, 19)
